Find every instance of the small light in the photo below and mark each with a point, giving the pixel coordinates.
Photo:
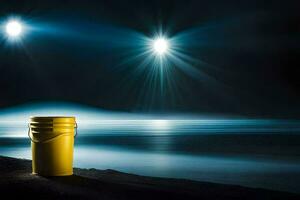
(160, 46)
(14, 28)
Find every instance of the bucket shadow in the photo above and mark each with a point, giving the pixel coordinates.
(75, 180)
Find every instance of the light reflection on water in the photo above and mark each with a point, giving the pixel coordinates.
(251, 152)
(268, 161)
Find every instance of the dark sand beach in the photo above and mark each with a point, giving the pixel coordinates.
(17, 181)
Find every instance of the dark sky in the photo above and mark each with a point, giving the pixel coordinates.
(76, 51)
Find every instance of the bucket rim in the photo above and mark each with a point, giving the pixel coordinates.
(51, 117)
(52, 120)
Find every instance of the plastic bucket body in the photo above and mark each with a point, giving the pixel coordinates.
(52, 143)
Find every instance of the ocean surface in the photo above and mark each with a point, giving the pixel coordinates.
(262, 154)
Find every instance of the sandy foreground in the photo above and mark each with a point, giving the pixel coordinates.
(16, 180)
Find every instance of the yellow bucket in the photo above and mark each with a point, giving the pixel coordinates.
(52, 143)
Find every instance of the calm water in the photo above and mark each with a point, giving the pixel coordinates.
(268, 158)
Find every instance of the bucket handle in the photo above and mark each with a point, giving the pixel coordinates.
(50, 139)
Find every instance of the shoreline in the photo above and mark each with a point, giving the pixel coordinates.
(17, 181)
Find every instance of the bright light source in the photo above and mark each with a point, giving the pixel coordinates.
(14, 28)
(160, 46)
(160, 124)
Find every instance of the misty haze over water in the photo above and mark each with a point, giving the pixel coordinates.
(249, 152)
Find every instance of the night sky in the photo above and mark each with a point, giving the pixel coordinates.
(245, 56)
